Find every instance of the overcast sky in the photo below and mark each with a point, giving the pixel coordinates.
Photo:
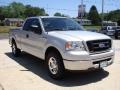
(68, 7)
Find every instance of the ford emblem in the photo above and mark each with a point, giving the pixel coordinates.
(101, 45)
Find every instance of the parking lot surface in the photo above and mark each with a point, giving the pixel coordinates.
(28, 73)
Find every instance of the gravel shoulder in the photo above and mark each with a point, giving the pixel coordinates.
(4, 36)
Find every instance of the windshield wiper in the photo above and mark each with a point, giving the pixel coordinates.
(74, 29)
(56, 29)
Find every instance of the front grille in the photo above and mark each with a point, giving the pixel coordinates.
(99, 45)
(118, 32)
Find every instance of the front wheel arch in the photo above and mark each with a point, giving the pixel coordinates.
(54, 53)
(52, 49)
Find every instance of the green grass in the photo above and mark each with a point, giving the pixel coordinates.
(95, 27)
(5, 29)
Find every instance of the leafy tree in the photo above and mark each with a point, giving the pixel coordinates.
(57, 14)
(0, 9)
(94, 16)
(46, 14)
(5, 11)
(2, 17)
(61, 15)
(118, 22)
(18, 10)
(34, 11)
(13, 10)
(113, 15)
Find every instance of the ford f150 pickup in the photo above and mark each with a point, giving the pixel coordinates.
(63, 44)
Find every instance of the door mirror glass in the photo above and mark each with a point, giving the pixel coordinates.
(36, 29)
(34, 26)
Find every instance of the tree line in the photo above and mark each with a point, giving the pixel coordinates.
(113, 16)
(96, 18)
(18, 10)
(93, 15)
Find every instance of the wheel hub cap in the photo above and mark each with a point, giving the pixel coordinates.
(13, 49)
(53, 67)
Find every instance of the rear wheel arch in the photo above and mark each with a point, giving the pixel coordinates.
(15, 51)
(13, 41)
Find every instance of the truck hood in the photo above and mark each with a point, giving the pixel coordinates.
(78, 35)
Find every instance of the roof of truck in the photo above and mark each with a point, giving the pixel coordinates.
(51, 17)
(47, 17)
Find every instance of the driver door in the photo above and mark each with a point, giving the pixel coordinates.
(34, 39)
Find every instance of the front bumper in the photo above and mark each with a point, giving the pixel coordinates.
(84, 61)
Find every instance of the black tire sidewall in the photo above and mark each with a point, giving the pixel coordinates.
(61, 69)
(17, 51)
(116, 36)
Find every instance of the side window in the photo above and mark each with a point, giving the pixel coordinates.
(27, 24)
(32, 25)
(35, 26)
(36, 22)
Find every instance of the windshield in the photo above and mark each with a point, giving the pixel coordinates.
(60, 24)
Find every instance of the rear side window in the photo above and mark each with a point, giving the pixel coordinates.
(27, 24)
(35, 22)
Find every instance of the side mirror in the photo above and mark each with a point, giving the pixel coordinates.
(36, 29)
(34, 26)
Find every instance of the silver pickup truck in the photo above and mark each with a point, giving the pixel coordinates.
(63, 44)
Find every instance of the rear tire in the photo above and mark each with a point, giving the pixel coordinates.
(55, 65)
(15, 51)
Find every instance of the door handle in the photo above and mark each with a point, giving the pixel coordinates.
(27, 35)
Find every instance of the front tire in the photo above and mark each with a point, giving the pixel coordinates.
(116, 36)
(15, 51)
(55, 65)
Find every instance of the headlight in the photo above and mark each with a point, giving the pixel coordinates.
(75, 46)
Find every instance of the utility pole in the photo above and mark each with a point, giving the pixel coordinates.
(81, 11)
(47, 9)
(102, 12)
